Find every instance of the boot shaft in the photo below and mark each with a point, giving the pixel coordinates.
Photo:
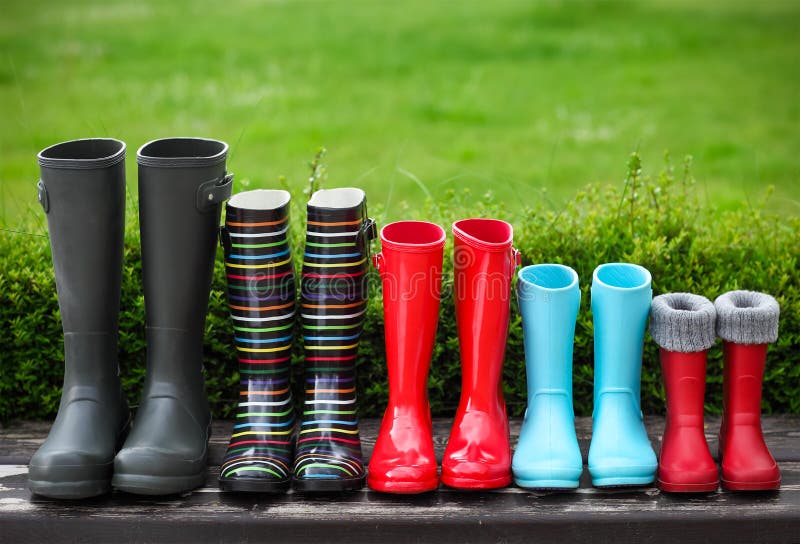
(684, 386)
(82, 191)
(182, 183)
(746, 321)
(484, 263)
(261, 298)
(334, 283)
(410, 266)
(549, 299)
(683, 325)
(621, 296)
(743, 373)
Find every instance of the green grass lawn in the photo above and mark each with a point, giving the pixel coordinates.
(528, 99)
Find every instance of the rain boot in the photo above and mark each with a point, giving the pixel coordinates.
(746, 321)
(620, 453)
(261, 298)
(410, 265)
(333, 303)
(182, 184)
(82, 191)
(547, 455)
(683, 326)
(478, 453)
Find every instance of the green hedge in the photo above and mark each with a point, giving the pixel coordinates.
(656, 221)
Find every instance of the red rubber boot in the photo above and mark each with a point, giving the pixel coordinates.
(683, 325)
(478, 454)
(410, 265)
(747, 322)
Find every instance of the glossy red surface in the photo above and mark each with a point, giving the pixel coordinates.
(685, 464)
(747, 464)
(478, 453)
(410, 265)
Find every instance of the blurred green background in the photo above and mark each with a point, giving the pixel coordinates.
(530, 100)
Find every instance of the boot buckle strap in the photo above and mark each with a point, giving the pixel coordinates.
(42, 196)
(516, 255)
(377, 261)
(225, 240)
(212, 192)
(367, 231)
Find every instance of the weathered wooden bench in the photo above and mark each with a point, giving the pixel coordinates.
(507, 515)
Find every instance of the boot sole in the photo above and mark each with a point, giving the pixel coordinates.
(773, 485)
(472, 483)
(139, 484)
(324, 485)
(70, 490)
(253, 485)
(706, 487)
(547, 485)
(403, 488)
(623, 482)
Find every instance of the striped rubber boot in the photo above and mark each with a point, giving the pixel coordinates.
(334, 300)
(261, 296)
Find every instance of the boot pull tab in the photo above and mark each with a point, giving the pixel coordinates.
(367, 232)
(377, 261)
(516, 256)
(42, 196)
(212, 192)
(225, 240)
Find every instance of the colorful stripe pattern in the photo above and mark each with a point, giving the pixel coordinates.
(261, 296)
(333, 303)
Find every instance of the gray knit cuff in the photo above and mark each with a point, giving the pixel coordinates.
(683, 322)
(747, 317)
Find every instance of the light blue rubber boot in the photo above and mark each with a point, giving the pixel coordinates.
(620, 453)
(547, 455)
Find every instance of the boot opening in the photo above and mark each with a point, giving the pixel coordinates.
(413, 233)
(90, 149)
(686, 302)
(744, 299)
(260, 199)
(183, 148)
(348, 197)
(747, 317)
(622, 275)
(549, 276)
(490, 231)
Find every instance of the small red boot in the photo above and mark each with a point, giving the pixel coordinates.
(747, 321)
(478, 454)
(683, 326)
(410, 265)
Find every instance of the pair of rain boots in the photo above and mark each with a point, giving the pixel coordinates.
(620, 454)
(265, 453)
(478, 454)
(93, 445)
(685, 326)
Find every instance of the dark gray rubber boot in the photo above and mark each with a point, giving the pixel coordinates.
(182, 184)
(82, 191)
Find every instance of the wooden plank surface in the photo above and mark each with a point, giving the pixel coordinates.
(508, 515)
